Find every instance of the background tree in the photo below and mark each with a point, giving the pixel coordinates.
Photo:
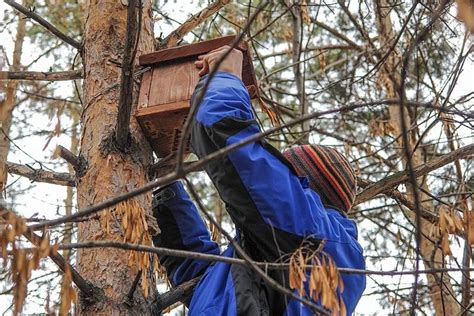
(388, 74)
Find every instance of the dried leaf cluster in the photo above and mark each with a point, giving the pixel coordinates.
(304, 13)
(132, 218)
(380, 127)
(451, 223)
(322, 282)
(20, 261)
(68, 294)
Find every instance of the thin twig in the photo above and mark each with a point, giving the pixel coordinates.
(230, 260)
(191, 23)
(45, 24)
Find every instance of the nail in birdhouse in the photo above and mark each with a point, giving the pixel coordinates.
(165, 91)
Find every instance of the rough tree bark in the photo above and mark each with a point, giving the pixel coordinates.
(440, 287)
(8, 104)
(109, 171)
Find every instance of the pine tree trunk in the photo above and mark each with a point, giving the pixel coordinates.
(439, 285)
(7, 106)
(110, 172)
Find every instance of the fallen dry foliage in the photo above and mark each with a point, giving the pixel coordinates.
(20, 262)
(133, 222)
(322, 283)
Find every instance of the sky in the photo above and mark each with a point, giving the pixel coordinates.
(47, 200)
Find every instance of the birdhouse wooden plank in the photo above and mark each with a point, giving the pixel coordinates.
(165, 90)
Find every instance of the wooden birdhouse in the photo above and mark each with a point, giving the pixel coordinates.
(165, 91)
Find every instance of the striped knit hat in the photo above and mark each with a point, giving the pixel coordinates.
(329, 174)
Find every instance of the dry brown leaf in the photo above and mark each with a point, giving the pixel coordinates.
(68, 295)
(322, 61)
(20, 262)
(323, 279)
(445, 245)
(271, 114)
(304, 13)
(287, 34)
(470, 228)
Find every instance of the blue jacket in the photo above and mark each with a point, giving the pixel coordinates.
(273, 209)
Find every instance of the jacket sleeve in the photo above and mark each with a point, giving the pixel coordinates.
(182, 228)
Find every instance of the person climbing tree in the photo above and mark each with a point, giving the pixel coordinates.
(278, 203)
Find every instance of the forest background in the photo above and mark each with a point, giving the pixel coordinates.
(368, 64)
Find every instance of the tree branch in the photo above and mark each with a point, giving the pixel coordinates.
(41, 76)
(337, 34)
(400, 197)
(90, 292)
(131, 292)
(172, 39)
(176, 294)
(54, 30)
(400, 177)
(229, 260)
(38, 175)
(72, 159)
(126, 80)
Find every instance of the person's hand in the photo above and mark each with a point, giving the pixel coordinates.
(231, 64)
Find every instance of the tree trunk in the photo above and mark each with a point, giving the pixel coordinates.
(7, 105)
(110, 172)
(440, 287)
(296, 49)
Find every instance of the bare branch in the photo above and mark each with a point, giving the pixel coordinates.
(231, 260)
(131, 292)
(41, 76)
(172, 39)
(45, 24)
(39, 175)
(403, 176)
(178, 293)
(337, 34)
(397, 195)
(69, 156)
(90, 292)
